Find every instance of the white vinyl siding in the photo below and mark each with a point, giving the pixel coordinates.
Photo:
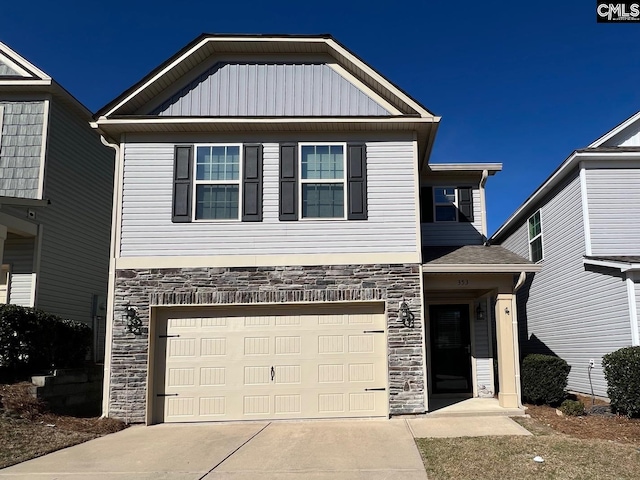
(270, 89)
(575, 313)
(76, 226)
(147, 229)
(481, 352)
(614, 210)
(18, 254)
(456, 233)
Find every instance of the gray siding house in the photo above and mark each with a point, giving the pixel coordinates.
(582, 226)
(56, 182)
(270, 255)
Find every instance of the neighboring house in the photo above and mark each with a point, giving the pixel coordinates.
(56, 183)
(582, 225)
(267, 256)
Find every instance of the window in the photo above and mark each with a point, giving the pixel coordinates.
(535, 237)
(217, 182)
(446, 204)
(322, 180)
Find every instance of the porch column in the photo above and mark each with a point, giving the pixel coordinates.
(505, 333)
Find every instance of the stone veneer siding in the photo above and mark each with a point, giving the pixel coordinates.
(144, 288)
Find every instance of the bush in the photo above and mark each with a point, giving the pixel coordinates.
(544, 379)
(622, 371)
(33, 341)
(573, 408)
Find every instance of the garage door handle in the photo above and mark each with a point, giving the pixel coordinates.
(373, 331)
(273, 373)
(168, 336)
(166, 395)
(374, 389)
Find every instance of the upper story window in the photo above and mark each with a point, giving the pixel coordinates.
(322, 180)
(445, 204)
(217, 182)
(535, 237)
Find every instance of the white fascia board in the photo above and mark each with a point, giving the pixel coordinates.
(492, 168)
(379, 78)
(25, 83)
(481, 268)
(622, 266)
(612, 133)
(102, 121)
(633, 309)
(21, 64)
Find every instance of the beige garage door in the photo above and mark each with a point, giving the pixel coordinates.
(277, 363)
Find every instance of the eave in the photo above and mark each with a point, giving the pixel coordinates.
(480, 268)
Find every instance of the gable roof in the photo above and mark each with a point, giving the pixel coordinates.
(124, 114)
(18, 75)
(598, 150)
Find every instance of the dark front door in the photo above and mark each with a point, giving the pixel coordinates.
(450, 349)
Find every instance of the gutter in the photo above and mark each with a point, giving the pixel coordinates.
(24, 202)
(112, 273)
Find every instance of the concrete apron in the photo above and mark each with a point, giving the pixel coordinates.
(341, 449)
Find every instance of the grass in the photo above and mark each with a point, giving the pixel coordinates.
(512, 457)
(565, 456)
(28, 430)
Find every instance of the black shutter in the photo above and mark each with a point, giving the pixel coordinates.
(426, 204)
(252, 184)
(182, 177)
(465, 204)
(356, 182)
(288, 181)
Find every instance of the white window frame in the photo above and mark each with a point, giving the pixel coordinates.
(197, 182)
(436, 204)
(531, 240)
(302, 181)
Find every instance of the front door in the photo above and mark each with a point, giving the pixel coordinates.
(450, 349)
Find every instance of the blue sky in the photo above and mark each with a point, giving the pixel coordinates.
(520, 83)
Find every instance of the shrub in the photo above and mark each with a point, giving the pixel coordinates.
(622, 371)
(33, 341)
(544, 379)
(572, 408)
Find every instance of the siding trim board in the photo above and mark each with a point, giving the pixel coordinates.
(43, 148)
(633, 307)
(585, 210)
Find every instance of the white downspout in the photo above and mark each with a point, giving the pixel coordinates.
(483, 204)
(111, 286)
(514, 328)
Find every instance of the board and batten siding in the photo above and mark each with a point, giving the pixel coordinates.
(20, 148)
(19, 255)
(74, 260)
(614, 209)
(455, 233)
(270, 89)
(482, 354)
(147, 230)
(575, 313)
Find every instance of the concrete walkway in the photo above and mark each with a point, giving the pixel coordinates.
(314, 450)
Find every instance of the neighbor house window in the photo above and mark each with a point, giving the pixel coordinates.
(322, 180)
(445, 201)
(217, 182)
(535, 237)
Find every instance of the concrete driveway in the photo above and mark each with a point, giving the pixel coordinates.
(365, 449)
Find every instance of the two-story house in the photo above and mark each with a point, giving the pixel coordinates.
(267, 256)
(56, 183)
(582, 225)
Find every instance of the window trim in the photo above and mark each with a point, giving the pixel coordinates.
(345, 183)
(436, 204)
(539, 235)
(197, 182)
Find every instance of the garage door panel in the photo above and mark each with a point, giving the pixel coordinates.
(221, 366)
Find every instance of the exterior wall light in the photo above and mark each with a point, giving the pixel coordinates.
(134, 324)
(407, 318)
(480, 312)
